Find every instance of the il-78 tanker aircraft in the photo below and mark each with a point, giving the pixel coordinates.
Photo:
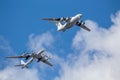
(39, 56)
(65, 23)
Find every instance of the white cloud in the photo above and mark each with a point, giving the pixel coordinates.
(5, 50)
(5, 46)
(10, 73)
(98, 53)
(37, 42)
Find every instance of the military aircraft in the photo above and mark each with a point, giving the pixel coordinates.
(39, 56)
(65, 23)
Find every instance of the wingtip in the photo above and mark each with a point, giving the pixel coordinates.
(43, 19)
(7, 57)
(89, 30)
(51, 65)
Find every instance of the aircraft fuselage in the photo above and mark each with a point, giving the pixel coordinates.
(70, 23)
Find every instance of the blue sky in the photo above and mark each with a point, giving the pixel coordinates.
(21, 18)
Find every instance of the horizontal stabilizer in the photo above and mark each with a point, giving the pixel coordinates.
(22, 62)
(14, 57)
(19, 65)
(47, 62)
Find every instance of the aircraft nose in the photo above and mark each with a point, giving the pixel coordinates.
(79, 15)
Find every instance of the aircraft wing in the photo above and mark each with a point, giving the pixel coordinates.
(51, 19)
(47, 62)
(44, 60)
(82, 25)
(57, 19)
(16, 57)
(40, 52)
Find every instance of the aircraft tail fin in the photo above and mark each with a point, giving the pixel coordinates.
(22, 62)
(59, 25)
(18, 65)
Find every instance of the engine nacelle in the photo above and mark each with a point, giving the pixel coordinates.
(27, 57)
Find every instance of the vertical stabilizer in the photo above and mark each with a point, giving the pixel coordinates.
(60, 26)
(22, 62)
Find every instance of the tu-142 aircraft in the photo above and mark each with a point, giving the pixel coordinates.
(39, 56)
(65, 23)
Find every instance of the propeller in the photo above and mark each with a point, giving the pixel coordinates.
(26, 55)
(39, 59)
(66, 19)
(81, 23)
(47, 57)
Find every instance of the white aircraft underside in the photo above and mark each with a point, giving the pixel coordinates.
(69, 22)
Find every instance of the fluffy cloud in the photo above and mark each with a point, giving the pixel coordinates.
(10, 73)
(5, 50)
(37, 42)
(98, 53)
(5, 46)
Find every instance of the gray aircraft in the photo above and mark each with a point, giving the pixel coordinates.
(39, 56)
